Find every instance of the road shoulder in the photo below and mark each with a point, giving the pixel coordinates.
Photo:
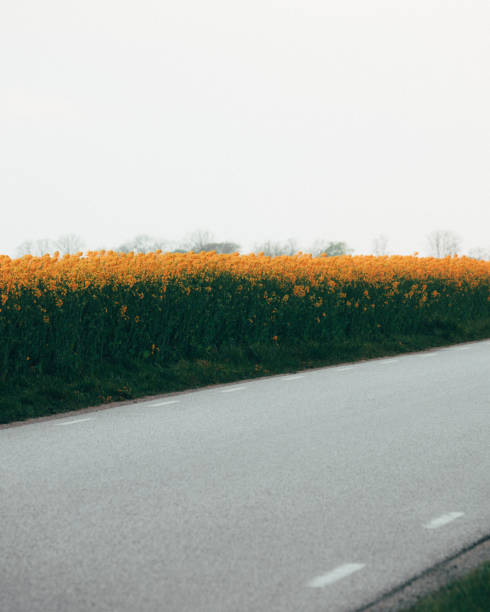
(442, 574)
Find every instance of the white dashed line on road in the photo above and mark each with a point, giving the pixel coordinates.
(73, 422)
(388, 361)
(293, 377)
(232, 389)
(337, 574)
(428, 355)
(440, 521)
(164, 403)
(344, 369)
(462, 348)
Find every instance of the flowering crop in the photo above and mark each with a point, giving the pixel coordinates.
(73, 313)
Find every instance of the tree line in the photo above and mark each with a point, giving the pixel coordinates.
(439, 243)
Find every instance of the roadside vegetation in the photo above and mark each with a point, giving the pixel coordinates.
(469, 594)
(80, 330)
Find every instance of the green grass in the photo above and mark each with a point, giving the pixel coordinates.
(469, 594)
(38, 394)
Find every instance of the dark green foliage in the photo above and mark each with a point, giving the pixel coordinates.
(38, 393)
(470, 594)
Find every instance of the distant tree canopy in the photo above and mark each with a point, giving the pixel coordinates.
(290, 247)
(66, 244)
(69, 244)
(221, 247)
(330, 249)
(274, 249)
(202, 240)
(197, 241)
(142, 244)
(443, 243)
(35, 247)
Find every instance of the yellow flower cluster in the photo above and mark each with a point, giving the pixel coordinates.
(100, 267)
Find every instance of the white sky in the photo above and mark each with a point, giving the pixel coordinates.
(258, 119)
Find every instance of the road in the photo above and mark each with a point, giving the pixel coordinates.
(315, 492)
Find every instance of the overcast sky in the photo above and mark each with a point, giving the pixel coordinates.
(258, 119)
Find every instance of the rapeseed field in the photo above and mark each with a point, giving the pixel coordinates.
(67, 314)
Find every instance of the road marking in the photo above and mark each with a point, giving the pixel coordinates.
(232, 389)
(73, 422)
(344, 369)
(165, 403)
(428, 355)
(388, 360)
(293, 377)
(337, 574)
(440, 521)
(463, 348)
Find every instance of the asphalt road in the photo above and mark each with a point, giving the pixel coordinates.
(311, 492)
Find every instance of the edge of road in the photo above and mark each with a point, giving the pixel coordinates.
(407, 594)
(147, 398)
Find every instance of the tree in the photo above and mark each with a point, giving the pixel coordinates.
(35, 247)
(69, 244)
(25, 248)
(221, 247)
(198, 240)
(202, 240)
(330, 249)
(142, 244)
(274, 249)
(380, 244)
(443, 243)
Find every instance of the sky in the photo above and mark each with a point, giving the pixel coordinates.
(257, 120)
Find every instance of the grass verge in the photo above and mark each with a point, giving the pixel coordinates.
(469, 594)
(37, 395)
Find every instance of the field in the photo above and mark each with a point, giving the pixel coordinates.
(84, 329)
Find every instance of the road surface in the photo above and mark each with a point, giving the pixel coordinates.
(315, 492)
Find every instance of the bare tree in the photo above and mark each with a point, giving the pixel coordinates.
(274, 249)
(380, 244)
(330, 249)
(198, 240)
(290, 246)
(69, 244)
(35, 247)
(142, 244)
(443, 243)
(25, 248)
